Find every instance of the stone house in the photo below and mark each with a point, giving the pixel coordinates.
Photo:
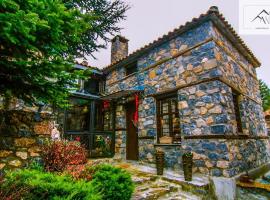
(194, 89)
(198, 90)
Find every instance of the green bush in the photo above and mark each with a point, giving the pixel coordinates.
(42, 185)
(114, 183)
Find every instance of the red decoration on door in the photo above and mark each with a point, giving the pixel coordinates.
(136, 114)
(106, 104)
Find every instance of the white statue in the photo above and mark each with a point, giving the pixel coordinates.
(55, 133)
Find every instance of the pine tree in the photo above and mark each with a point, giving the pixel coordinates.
(39, 40)
(265, 95)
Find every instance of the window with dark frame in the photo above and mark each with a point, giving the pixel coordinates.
(236, 96)
(91, 86)
(103, 117)
(102, 84)
(131, 68)
(78, 115)
(168, 118)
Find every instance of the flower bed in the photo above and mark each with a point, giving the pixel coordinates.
(66, 177)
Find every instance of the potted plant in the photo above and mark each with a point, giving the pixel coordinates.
(187, 161)
(160, 162)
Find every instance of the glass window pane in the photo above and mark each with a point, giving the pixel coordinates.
(173, 106)
(165, 127)
(132, 68)
(107, 120)
(78, 115)
(169, 119)
(91, 86)
(98, 117)
(165, 107)
(175, 124)
(103, 117)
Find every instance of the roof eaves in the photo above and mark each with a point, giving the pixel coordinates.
(218, 20)
(84, 67)
(166, 37)
(236, 40)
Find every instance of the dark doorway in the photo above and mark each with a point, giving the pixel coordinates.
(132, 133)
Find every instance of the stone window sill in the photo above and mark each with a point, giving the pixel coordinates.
(170, 145)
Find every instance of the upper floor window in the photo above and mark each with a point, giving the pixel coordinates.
(168, 121)
(131, 68)
(102, 85)
(90, 86)
(236, 99)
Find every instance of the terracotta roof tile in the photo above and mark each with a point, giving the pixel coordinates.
(85, 64)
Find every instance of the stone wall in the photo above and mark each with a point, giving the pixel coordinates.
(206, 109)
(120, 133)
(21, 137)
(195, 64)
(204, 68)
(227, 157)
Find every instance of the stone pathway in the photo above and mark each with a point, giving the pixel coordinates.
(170, 186)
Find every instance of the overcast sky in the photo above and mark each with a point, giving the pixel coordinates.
(149, 19)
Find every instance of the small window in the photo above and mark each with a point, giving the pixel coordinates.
(132, 68)
(168, 118)
(237, 111)
(102, 84)
(91, 86)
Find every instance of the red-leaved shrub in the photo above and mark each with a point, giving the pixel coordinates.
(58, 155)
(80, 172)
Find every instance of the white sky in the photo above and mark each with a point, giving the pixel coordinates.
(149, 19)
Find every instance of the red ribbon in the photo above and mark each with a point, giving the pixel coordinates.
(106, 104)
(136, 114)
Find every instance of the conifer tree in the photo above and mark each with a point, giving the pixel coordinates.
(40, 39)
(265, 95)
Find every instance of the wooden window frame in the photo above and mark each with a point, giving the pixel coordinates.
(102, 85)
(159, 101)
(101, 117)
(131, 66)
(236, 105)
(67, 112)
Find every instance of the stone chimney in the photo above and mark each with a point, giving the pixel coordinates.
(213, 9)
(119, 48)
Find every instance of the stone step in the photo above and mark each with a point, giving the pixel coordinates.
(162, 190)
(191, 187)
(171, 185)
(180, 195)
(138, 179)
(151, 194)
(154, 189)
